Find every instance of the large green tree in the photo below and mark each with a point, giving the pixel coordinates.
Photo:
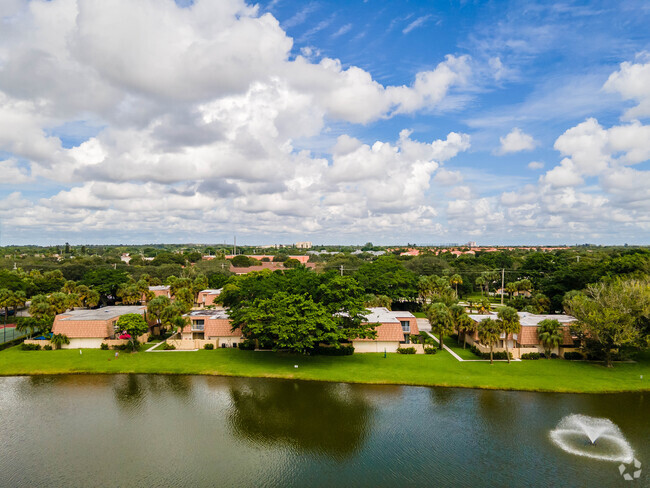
(612, 317)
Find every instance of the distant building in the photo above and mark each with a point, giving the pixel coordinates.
(207, 297)
(471, 244)
(303, 245)
(126, 257)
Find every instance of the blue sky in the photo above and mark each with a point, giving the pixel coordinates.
(351, 121)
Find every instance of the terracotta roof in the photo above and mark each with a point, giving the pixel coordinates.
(528, 336)
(263, 266)
(82, 328)
(387, 332)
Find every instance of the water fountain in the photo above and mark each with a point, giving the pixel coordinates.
(592, 437)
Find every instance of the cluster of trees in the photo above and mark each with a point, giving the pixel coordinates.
(613, 317)
(297, 310)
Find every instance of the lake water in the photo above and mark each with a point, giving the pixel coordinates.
(151, 431)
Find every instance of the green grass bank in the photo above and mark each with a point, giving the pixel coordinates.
(440, 369)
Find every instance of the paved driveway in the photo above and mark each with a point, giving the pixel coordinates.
(423, 324)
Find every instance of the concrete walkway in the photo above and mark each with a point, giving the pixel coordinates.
(424, 325)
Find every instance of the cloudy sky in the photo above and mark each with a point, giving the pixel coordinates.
(127, 121)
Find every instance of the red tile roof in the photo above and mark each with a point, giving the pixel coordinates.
(388, 333)
(82, 328)
(528, 336)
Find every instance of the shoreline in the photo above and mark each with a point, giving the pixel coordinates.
(439, 370)
(349, 382)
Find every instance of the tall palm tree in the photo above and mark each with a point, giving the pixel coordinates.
(466, 326)
(510, 289)
(456, 280)
(456, 311)
(549, 333)
(508, 323)
(440, 319)
(488, 334)
(480, 282)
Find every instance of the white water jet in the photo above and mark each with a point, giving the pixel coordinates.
(592, 437)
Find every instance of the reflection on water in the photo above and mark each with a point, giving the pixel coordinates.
(153, 430)
(316, 417)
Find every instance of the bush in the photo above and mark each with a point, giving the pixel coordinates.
(103, 346)
(247, 345)
(209, 347)
(47, 347)
(573, 356)
(406, 350)
(168, 347)
(430, 350)
(30, 347)
(334, 351)
(486, 355)
(553, 355)
(531, 355)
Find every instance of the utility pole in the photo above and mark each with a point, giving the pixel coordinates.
(341, 270)
(503, 276)
(234, 247)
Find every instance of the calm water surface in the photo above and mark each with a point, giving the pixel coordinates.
(149, 431)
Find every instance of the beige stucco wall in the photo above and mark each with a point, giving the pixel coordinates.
(376, 346)
(84, 343)
(189, 343)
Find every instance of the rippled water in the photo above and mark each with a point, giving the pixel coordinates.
(149, 430)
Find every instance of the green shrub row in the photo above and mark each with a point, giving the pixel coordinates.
(333, 351)
(430, 350)
(209, 346)
(486, 355)
(573, 356)
(406, 350)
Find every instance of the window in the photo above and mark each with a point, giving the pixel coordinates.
(198, 324)
(406, 325)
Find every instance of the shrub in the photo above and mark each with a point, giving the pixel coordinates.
(553, 355)
(531, 355)
(168, 347)
(103, 346)
(573, 356)
(334, 351)
(247, 345)
(209, 347)
(430, 350)
(406, 350)
(30, 347)
(47, 347)
(486, 355)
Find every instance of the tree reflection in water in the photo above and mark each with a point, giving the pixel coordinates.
(320, 418)
(131, 390)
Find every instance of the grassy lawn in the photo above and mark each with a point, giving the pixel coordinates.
(463, 353)
(439, 369)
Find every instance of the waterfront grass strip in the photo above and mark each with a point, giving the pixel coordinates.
(427, 370)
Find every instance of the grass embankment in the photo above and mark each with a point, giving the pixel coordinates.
(429, 370)
(463, 353)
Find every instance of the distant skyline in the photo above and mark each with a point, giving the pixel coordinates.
(336, 122)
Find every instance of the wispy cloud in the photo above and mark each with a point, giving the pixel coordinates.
(300, 16)
(419, 22)
(317, 28)
(343, 30)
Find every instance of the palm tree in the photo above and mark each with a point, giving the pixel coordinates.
(5, 301)
(59, 340)
(465, 326)
(508, 323)
(40, 307)
(456, 311)
(156, 306)
(440, 319)
(488, 334)
(510, 289)
(456, 280)
(550, 334)
(480, 282)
